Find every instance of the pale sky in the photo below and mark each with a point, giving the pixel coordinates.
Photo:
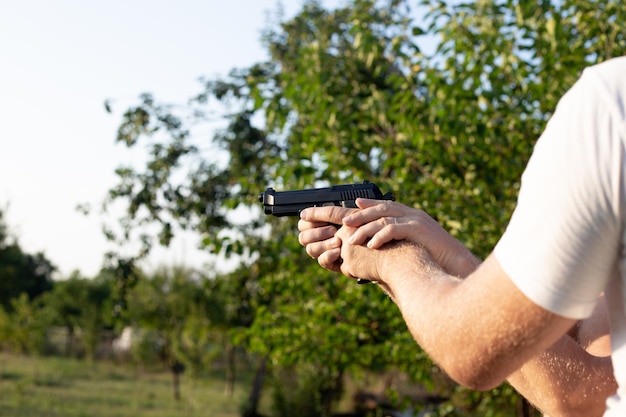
(59, 61)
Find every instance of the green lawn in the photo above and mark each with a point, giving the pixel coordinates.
(50, 387)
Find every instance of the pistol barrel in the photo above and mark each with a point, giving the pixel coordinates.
(291, 203)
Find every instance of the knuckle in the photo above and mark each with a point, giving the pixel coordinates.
(341, 233)
(335, 212)
(384, 207)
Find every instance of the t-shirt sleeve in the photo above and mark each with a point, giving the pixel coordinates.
(562, 243)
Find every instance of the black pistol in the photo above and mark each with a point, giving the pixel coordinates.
(291, 203)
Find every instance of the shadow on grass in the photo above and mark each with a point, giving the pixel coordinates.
(49, 381)
(10, 376)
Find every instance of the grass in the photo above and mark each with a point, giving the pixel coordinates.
(51, 387)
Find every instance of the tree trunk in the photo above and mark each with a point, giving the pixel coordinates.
(252, 406)
(177, 369)
(69, 342)
(230, 370)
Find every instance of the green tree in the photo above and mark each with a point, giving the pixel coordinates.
(21, 272)
(23, 327)
(357, 93)
(81, 305)
(233, 299)
(171, 308)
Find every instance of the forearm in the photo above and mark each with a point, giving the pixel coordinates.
(464, 325)
(575, 375)
(566, 381)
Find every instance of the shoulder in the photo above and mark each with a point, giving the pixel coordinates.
(606, 83)
(612, 68)
(568, 222)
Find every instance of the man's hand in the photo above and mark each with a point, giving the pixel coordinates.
(317, 234)
(380, 222)
(359, 261)
(375, 224)
(333, 249)
(390, 266)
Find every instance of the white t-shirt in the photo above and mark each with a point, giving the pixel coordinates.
(565, 243)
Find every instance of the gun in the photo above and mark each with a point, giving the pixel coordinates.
(291, 203)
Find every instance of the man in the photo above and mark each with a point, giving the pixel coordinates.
(512, 314)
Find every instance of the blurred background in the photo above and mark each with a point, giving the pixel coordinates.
(60, 62)
(139, 275)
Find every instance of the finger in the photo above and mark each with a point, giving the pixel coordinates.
(326, 214)
(371, 213)
(400, 231)
(365, 232)
(316, 234)
(345, 232)
(317, 249)
(331, 259)
(363, 203)
(304, 225)
(384, 230)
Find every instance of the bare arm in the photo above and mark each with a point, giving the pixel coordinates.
(573, 377)
(474, 315)
(565, 380)
(544, 373)
(477, 343)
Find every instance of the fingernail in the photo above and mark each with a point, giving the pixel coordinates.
(303, 214)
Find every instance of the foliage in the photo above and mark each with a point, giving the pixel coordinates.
(170, 312)
(305, 392)
(163, 302)
(21, 272)
(359, 93)
(180, 318)
(81, 305)
(23, 327)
